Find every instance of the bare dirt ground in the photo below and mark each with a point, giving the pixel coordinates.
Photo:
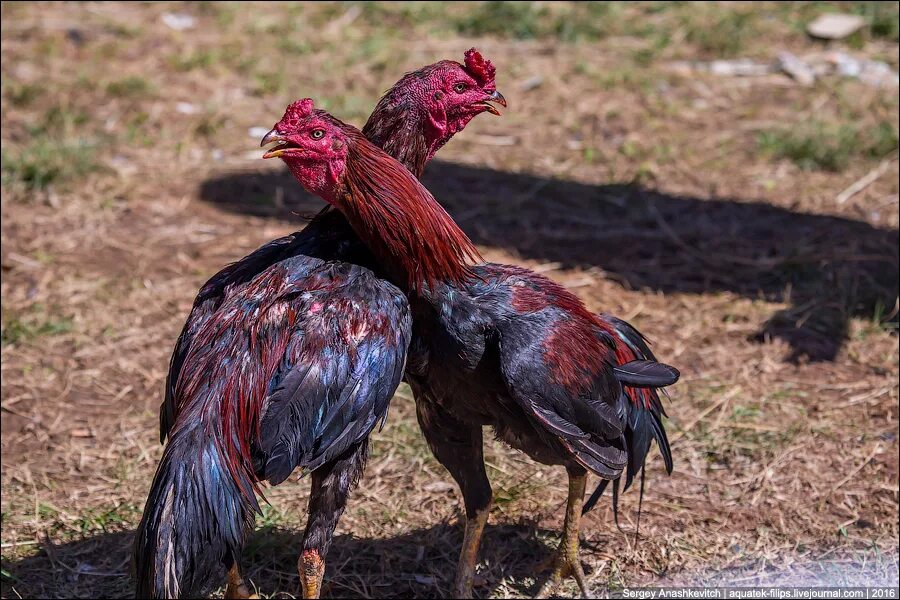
(703, 208)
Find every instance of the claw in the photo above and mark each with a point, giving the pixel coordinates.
(563, 567)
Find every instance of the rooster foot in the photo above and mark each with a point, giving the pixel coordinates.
(237, 589)
(563, 564)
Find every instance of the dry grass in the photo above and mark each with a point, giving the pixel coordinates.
(646, 191)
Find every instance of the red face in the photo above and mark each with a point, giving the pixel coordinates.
(312, 144)
(454, 94)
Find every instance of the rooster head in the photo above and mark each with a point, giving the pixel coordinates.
(455, 92)
(437, 100)
(312, 143)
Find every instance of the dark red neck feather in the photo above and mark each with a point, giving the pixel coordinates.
(397, 126)
(410, 233)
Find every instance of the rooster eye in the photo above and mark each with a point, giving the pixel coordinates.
(317, 134)
(459, 88)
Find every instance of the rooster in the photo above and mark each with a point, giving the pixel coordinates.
(492, 344)
(257, 387)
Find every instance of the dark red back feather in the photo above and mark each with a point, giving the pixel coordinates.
(573, 348)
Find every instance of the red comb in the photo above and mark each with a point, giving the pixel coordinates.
(295, 113)
(479, 67)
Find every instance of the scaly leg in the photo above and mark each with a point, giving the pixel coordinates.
(312, 571)
(237, 588)
(565, 562)
(459, 447)
(331, 485)
(468, 555)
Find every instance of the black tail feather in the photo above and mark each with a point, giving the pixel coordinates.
(194, 522)
(643, 422)
(598, 493)
(646, 374)
(643, 426)
(637, 530)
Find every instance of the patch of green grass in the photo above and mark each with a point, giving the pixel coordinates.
(22, 94)
(644, 57)
(268, 83)
(54, 152)
(880, 140)
(107, 519)
(136, 130)
(223, 12)
(196, 59)
(633, 150)
(745, 413)
(47, 511)
(59, 120)
(883, 320)
(45, 162)
(627, 77)
(270, 517)
(121, 29)
(208, 125)
(828, 147)
(527, 20)
(37, 324)
(129, 87)
(722, 34)
(291, 45)
(352, 107)
(883, 17)
(375, 50)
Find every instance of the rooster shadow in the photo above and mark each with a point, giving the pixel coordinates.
(417, 564)
(826, 269)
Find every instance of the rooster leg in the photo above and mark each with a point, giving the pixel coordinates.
(312, 570)
(237, 589)
(459, 447)
(331, 485)
(468, 556)
(565, 562)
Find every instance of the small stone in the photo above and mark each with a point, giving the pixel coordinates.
(739, 68)
(872, 72)
(834, 26)
(178, 22)
(796, 68)
(879, 74)
(186, 108)
(257, 133)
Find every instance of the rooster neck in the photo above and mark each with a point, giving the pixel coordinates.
(403, 130)
(414, 239)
